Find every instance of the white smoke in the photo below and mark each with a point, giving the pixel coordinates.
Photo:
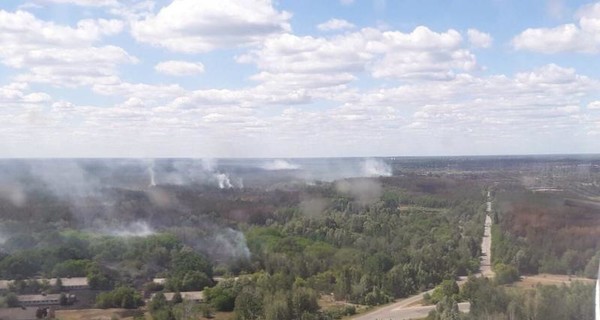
(135, 229)
(364, 190)
(231, 243)
(14, 194)
(184, 172)
(209, 164)
(223, 180)
(240, 183)
(152, 177)
(376, 168)
(280, 165)
(66, 178)
(313, 207)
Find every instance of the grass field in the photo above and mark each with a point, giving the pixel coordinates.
(95, 314)
(109, 314)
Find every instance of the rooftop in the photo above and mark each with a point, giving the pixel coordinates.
(38, 297)
(188, 295)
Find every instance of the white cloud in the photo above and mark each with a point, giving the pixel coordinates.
(594, 105)
(18, 93)
(70, 67)
(424, 117)
(57, 54)
(85, 3)
(192, 26)
(179, 68)
(302, 85)
(139, 90)
(479, 39)
(24, 28)
(582, 37)
(335, 24)
(313, 62)
(421, 54)
(245, 98)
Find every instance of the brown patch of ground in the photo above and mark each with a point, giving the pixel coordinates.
(95, 314)
(548, 279)
(125, 314)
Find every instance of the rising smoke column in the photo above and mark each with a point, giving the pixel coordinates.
(151, 172)
(224, 182)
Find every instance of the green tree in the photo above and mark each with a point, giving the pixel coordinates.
(506, 273)
(448, 289)
(177, 298)
(220, 297)
(277, 308)
(304, 300)
(248, 304)
(11, 300)
(158, 302)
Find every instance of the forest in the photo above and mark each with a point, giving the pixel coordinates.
(546, 232)
(280, 247)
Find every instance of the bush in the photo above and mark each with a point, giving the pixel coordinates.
(448, 288)
(506, 274)
(122, 297)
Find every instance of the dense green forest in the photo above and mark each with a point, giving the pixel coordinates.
(366, 241)
(279, 249)
(544, 302)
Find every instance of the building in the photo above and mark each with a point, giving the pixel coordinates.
(43, 299)
(196, 296)
(4, 285)
(75, 283)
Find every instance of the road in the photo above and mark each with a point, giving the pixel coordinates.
(485, 268)
(402, 309)
(407, 313)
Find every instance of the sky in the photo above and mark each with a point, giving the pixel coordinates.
(289, 78)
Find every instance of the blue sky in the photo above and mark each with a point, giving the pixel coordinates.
(260, 78)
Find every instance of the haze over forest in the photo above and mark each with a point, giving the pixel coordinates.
(300, 160)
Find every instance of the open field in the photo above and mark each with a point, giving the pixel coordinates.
(549, 279)
(94, 314)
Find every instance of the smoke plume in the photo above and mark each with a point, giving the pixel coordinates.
(135, 229)
(365, 191)
(280, 165)
(223, 180)
(376, 168)
(152, 177)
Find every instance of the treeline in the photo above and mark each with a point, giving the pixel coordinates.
(373, 253)
(366, 241)
(544, 302)
(539, 232)
(133, 261)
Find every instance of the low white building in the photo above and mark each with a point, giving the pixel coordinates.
(75, 283)
(197, 296)
(43, 299)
